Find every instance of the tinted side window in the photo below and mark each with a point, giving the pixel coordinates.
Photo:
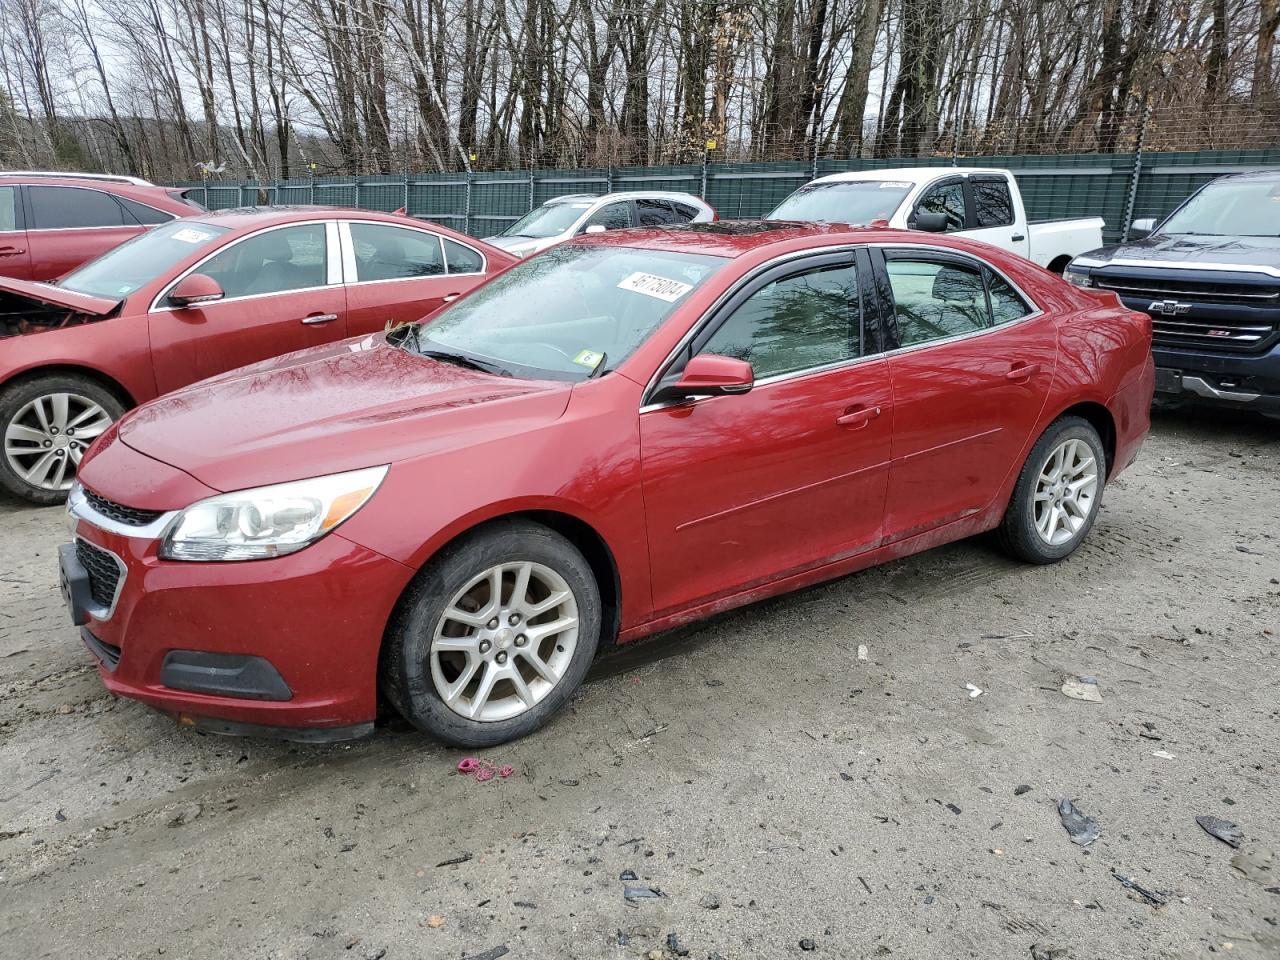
(946, 198)
(462, 259)
(8, 208)
(992, 202)
(615, 216)
(936, 299)
(61, 207)
(1006, 304)
(655, 213)
(291, 258)
(685, 212)
(392, 253)
(144, 214)
(800, 322)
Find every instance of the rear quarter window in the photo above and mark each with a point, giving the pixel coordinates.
(61, 208)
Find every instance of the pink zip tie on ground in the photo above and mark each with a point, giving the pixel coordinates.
(483, 770)
(468, 765)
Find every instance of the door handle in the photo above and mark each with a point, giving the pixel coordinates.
(1022, 372)
(1018, 237)
(450, 297)
(319, 318)
(858, 418)
(11, 251)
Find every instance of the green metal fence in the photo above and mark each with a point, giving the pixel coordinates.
(1116, 187)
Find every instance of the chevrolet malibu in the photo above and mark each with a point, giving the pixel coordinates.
(625, 433)
(196, 297)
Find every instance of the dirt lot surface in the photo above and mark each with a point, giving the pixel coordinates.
(784, 795)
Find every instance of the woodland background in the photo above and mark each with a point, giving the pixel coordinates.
(177, 89)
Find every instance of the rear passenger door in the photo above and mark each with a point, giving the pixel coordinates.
(994, 215)
(398, 274)
(971, 361)
(67, 226)
(15, 260)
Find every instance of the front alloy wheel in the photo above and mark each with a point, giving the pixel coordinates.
(504, 641)
(493, 636)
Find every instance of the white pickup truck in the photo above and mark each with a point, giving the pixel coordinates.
(982, 204)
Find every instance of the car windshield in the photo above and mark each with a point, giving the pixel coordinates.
(135, 263)
(568, 314)
(843, 201)
(549, 221)
(1230, 208)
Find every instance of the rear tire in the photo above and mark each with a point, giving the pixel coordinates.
(1058, 494)
(47, 423)
(474, 667)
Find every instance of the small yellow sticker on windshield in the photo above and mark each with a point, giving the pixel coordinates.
(588, 358)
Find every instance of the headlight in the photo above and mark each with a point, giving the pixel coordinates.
(268, 521)
(1080, 278)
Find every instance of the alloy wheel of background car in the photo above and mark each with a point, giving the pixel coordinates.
(504, 641)
(1065, 492)
(493, 635)
(47, 425)
(1059, 490)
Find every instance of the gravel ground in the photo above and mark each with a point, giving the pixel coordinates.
(783, 793)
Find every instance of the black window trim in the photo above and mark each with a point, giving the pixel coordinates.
(742, 289)
(887, 251)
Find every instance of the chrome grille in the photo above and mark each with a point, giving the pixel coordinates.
(1218, 334)
(129, 516)
(1198, 291)
(104, 573)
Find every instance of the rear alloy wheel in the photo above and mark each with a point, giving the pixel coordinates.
(493, 636)
(1058, 493)
(47, 425)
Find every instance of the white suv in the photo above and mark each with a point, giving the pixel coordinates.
(563, 217)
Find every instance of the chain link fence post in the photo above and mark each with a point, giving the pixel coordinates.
(531, 182)
(703, 194)
(466, 216)
(1137, 173)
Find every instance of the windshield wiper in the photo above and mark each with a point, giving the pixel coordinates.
(463, 360)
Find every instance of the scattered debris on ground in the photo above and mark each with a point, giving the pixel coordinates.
(1224, 830)
(1083, 830)
(1153, 898)
(1083, 688)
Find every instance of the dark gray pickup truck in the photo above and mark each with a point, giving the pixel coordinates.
(1209, 276)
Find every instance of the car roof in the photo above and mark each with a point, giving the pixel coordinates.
(236, 217)
(42, 176)
(905, 173)
(735, 238)
(1263, 175)
(624, 195)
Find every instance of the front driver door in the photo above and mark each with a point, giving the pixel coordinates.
(281, 293)
(970, 377)
(740, 490)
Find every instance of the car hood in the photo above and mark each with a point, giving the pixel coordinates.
(328, 409)
(520, 246)
(47, 293)
(1198, 251)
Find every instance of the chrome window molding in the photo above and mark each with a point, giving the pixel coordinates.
(728, 294)
(349, 269)
(157, 302)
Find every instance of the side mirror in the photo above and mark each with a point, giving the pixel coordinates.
(708, 375)
(595, 228)
(195, 288)
(931, 222)
(1142, 227)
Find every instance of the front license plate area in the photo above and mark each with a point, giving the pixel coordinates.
(73, 581)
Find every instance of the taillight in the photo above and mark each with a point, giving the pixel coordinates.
(714, 215)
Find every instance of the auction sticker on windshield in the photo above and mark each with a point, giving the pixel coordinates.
(187, 235)
(652, 285)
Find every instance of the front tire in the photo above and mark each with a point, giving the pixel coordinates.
(1058, 493)
(47, 423)
(493, 636)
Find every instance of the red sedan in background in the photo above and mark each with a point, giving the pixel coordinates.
(53, 222)
(625, 433)
(194, 298)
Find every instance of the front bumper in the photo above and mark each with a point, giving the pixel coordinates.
(313, 621)
(1228, 380)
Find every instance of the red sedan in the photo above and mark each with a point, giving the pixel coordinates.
(625, 433)
(197, 297)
